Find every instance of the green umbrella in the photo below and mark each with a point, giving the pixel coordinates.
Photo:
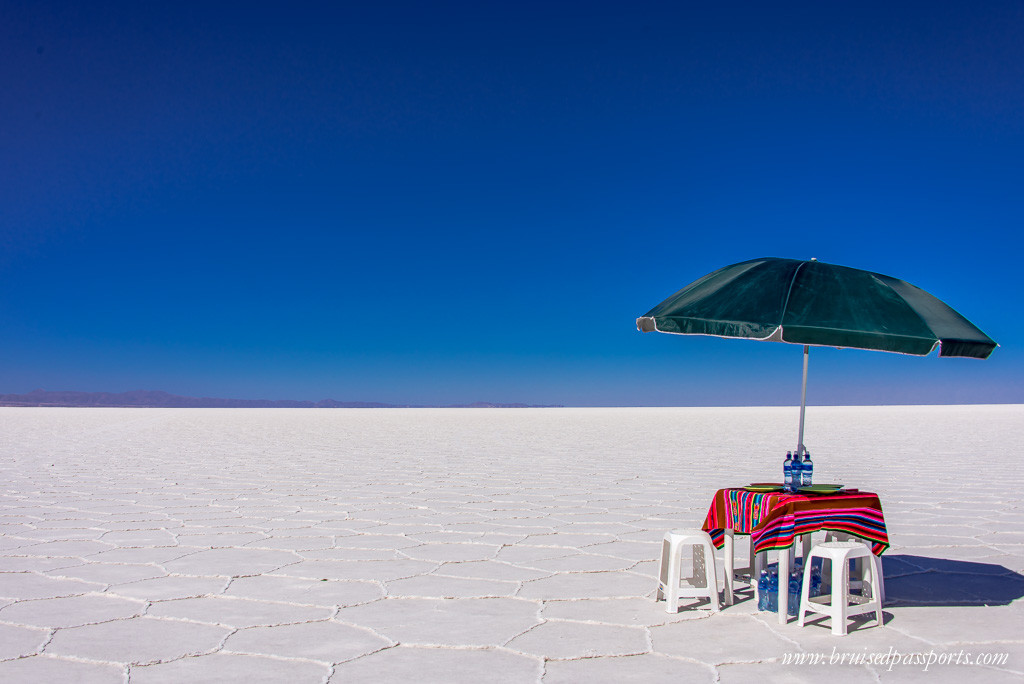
(817, 304)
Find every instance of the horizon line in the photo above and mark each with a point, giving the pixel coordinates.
(160, 399)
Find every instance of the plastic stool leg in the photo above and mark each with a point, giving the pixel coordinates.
(672, 587)
(712, 577)
(840, 593)
(730, 565)
(663, 571)
(875, 568)
(881, 580)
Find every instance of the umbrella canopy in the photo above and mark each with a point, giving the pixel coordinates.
(817, 304)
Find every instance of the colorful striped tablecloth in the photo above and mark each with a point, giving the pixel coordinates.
(776, 519)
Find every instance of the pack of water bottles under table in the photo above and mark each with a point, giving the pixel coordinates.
(768, 585)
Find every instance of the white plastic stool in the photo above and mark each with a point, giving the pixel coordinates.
(857, 579)
(703, 583)
(836, 605)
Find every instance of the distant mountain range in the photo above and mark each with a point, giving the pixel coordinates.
(157, 399)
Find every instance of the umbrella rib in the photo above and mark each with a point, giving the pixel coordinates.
(792, 282)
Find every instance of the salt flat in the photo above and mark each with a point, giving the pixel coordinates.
(475, 545)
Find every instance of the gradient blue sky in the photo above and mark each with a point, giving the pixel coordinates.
(440, 202)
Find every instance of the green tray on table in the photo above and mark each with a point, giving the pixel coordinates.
(764, 487)
(820, 489)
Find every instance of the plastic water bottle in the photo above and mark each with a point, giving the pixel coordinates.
(806, 470)
(787, 471)
(773, 591)
(795, 586)
(815, 571)
(762, 591)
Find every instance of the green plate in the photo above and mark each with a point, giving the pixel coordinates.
(764, 487)
(821, 489)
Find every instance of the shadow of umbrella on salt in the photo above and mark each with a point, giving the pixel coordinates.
(923, 581)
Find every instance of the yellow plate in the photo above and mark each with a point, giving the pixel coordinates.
(763, 487)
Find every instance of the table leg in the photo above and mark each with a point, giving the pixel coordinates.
(754, 571)
(759, 562)
(730, 562)
(784, 585)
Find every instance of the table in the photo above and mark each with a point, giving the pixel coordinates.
(774, 520)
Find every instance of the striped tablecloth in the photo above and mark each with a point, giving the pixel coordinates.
(776, 519)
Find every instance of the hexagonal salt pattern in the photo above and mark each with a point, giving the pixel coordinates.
(30, 585)
(326, 641)
(41, 668)
(446, 622)
(139, 640)
(466, 546)
(559, 640)
(231, 669)
(71, 611)
(651, 667)
(17, 641)
(440, 666)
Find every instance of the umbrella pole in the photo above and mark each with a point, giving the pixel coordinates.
(803, 406)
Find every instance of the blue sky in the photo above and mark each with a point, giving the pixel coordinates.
(441, 202)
